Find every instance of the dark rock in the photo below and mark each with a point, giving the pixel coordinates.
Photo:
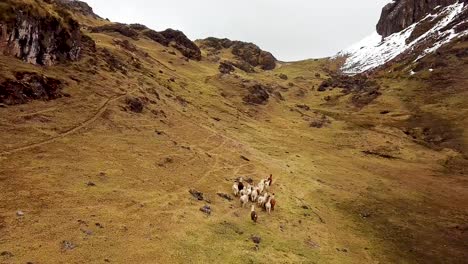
(196, 194)
(180, 41)
(135, 105)
(6, 254)
(258, 94)
(283, 76)
(305, 207)
(303, 106)
(113, 62)
(206, 209)
(225, 196)
(78, 7)
(226, 67)
(256, 239)
(90, 184)
(320, 122)
(245, 53)
(365, 90)
(120, 28)
(244, 158)
(29, 86)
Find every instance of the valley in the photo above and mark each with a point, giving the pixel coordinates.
(98, 153)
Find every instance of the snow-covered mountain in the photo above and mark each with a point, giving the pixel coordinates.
(438, 26)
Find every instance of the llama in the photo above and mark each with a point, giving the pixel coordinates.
(235, 188)
(244, 199)
(268, 204)
(253, 214)
(262, 200)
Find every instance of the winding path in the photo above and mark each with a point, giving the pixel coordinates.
(69, 131)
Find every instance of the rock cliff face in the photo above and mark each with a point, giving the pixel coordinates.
(168, 37)
(400, 14)
(36, 36)
(243, 51)
(78, 7)
(408, 31)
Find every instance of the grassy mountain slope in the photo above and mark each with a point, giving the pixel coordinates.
(99, 180)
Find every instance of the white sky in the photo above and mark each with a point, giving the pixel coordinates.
(290, 29)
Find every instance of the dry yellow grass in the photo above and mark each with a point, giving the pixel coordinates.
(335, 203)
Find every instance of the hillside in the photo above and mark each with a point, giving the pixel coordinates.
(105, 128)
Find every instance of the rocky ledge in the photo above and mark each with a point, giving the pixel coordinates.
(42, 34)
(243, 51)
(400, 14)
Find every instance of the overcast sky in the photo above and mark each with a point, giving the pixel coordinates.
(290, 29)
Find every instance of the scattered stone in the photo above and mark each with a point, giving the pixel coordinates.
(283, 76)
(87, 232)
(67, 245)
(196, 194)
(206, 209)
(90, 184)
(6, 254)
(244, 158)
(365, 214)
(303, 106)
(312, 244)
(305, 207)
(317, 75)
(256, 239)
(225, 196)
(384, 112)
(135, 105)
(226, 67)
(19, 213)
(258, 94)
(99, 225)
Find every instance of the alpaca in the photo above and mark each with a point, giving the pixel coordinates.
(267, 185)
(235, 188)
(273, 202)
(254, 195)
(241, 184)
(261, 186)
(253, 214)
(262, 200)
(244, 199)
(268, 204)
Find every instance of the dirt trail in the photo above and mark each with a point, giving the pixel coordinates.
(70, 131)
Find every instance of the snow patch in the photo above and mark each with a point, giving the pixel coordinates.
(373, 51)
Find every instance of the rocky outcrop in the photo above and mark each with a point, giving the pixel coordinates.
(180, 41)
(226, 67)
(258, 95)
(78, 7)
(28, 86)
(399, 14)
(243, 51)
(38, 36)
(363, 89)
(168, 37)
